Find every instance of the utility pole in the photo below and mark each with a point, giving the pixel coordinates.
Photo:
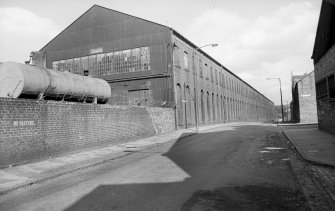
(281, 98)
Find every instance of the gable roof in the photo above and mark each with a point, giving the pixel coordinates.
(101, 7)
(169, 28)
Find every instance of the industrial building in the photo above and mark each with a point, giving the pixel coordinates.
(303, 98)
(324, 66)
(149, 64)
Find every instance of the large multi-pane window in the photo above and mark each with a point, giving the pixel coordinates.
(125, 61)
(76, 65)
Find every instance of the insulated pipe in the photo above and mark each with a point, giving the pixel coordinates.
(20, 80)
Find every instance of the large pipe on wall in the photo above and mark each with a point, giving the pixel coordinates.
(28, 81)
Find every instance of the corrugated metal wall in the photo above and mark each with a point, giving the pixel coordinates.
(110, 30)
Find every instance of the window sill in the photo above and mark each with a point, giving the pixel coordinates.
(321, 96)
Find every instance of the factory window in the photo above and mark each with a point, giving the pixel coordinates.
(131, 60)
(140, 97)
(60, 65)
(55, 65)
(128, 63)
(212, 76)
(223, 80)
(76, 65)
(200, 69)
(145, 58)
(117, 62)
(185, 60)
(206, 72)
(202, 107)
(213, 106)
(108, 64)
(100, 64)
(176, 56)
(135, 60)
(84, 64)
(69, 65)
(331, 86)
(92, 64)
(220, 79)
(321, 88)
(208, 108)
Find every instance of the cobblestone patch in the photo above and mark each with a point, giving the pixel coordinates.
(316, 181)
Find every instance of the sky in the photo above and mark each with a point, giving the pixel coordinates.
(257, 39)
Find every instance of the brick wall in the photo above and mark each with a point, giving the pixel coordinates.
(326, 115)
(307, 99)
(222, 98)
(326, 105)
(33, 130)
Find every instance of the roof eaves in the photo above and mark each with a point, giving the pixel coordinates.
(215, 61)
(68, 26)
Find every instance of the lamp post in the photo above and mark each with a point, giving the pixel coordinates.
(195, 85)
(281, 98)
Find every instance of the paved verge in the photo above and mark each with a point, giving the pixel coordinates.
(313, 144)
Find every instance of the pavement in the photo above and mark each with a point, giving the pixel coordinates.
(17, 177)
(314, 145)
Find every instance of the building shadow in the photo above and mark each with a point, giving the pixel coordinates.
(195, 165)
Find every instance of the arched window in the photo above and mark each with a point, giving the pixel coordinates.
(180, 112)
(189, 105)
(208, 108)
(213, 106)
(202, 107)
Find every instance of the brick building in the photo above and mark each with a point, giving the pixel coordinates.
(151, 64)
(324, 66)
(304, 98)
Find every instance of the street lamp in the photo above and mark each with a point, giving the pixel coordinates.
(281, 98)
(195, 84)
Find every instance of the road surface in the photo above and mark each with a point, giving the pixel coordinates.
(241, 167)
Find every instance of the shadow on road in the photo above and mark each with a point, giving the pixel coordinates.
(200, 166)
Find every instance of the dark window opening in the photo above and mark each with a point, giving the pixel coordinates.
(331, 86)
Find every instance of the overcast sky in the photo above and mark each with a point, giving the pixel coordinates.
(257, 38)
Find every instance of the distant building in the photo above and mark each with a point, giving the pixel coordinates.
(150, 64)
(303, 99)
(324, 66)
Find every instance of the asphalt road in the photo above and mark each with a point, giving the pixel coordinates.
(245, 167)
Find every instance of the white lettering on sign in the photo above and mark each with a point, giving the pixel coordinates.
(96, 50)
(23, 123)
